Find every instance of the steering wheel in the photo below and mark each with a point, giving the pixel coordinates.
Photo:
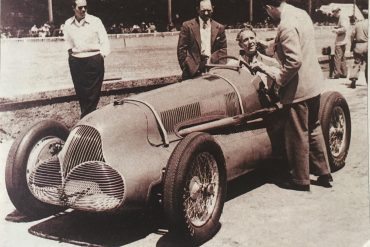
(252, 71)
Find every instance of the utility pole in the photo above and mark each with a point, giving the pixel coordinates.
(50, 8)
(250, 11)
(354, 10)
(169, 11)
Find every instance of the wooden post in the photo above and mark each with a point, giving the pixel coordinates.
(50, 8)
(309, 7)
(354, 10)
(169, 11)
(250, 11)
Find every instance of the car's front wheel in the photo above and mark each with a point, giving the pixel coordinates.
(40, 143)
(195, 188)
(336, 127)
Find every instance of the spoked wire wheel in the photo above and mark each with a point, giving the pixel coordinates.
(336, 127)
(44, 150)
(337, 132)
(201, 189)
(195, 188)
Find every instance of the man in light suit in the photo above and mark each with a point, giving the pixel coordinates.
(342, 31)
(201, 40)
(300, 79)
(359, 39)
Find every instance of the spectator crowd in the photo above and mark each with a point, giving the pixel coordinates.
(51, 30)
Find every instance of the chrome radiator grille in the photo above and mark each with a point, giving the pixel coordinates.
(93, 186)
(85, 181)
(85, 145)
(45, 182)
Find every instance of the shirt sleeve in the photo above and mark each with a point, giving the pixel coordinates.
(343, 25)
(67, 38)
(103, 39)
(291, 48)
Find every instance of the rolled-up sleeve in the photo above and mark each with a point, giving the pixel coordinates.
(290, 44)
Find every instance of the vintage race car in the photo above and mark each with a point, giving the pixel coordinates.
(176, 146)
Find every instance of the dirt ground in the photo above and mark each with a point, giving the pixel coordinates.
(13, 122)
(257, 212)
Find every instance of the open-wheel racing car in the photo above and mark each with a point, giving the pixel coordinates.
(177, 146)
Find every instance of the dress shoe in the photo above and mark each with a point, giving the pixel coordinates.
(324, 180)
(343, 76)
(290, 185)
(334, 77)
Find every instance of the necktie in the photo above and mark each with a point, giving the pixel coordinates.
(204, 25)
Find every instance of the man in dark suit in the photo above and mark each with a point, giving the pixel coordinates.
(201, 40)
(300, 80)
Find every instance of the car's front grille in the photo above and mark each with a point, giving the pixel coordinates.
(85, 145)
(93, 186)
(45, 181)
(85, 181)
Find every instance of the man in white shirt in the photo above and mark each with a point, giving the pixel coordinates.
(87, 44)
(342, 31)
(201, 40)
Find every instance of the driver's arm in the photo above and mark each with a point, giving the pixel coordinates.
(268, 65)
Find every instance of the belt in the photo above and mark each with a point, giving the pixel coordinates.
(360, 41)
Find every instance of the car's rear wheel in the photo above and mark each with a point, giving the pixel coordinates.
(336, 127)
(41, 142)
(195, 188)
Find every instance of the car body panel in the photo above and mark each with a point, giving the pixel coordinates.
(137, 135)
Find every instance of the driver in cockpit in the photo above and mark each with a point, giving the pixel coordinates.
(268, 67)
(247, 41)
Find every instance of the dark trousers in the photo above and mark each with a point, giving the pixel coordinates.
(340, 68)
(87, 75)
(304, 141)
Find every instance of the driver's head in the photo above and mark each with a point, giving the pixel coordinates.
(247, 40)
(205, 9)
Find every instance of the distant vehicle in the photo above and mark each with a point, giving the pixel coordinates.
(176, 147)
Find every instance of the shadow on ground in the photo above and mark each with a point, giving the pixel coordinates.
(88, 229)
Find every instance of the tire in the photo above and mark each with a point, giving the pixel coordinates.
(336, 127)
(183, 187)
(43, 134)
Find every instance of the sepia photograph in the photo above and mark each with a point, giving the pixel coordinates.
(216, 123)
